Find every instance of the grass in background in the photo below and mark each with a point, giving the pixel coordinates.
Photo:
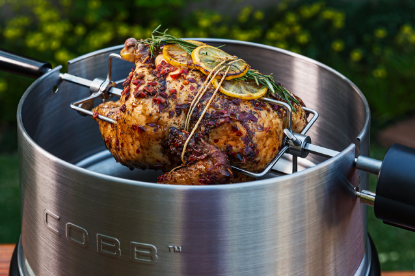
(9, 199)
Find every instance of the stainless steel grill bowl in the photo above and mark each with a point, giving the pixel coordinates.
(84, 214)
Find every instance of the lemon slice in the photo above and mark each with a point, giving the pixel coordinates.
(245, 90)
(176, 56)
(207, 58)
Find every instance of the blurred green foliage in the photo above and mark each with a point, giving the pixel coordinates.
(371, 42)
(9, 199)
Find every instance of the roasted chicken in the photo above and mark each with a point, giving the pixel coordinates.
(150, 117)
(205, 163)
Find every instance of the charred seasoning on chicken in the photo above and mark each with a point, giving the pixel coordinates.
(151, 114)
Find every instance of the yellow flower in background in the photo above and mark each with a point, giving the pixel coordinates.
(94, 41)
(48, 15)
(272, 35)
(306, 12)
(339, 16)
(356, 55)
(303, 38)
(12, 33)
(406, 29)
(290, 18)
(282, 30)
(259, 15)
(242, 36)
(309, 11)
(282, 45)
(337, 45)
(20, 21)
(380, 73)
(42, 46)
(381, 33)
(3, 85)
(80, 30)
(49, 28)
(106, 36)
(94, 4)
(328, 14)
(245, 35)
(62, 56)
(296, 28)
(338, 24)
(137, 31)
(216, 18)
(15, 27)
(406, 34)
(244, 15)
(33, 39)
(123, 30)
(243, 18)
(55, 44)
(204, 22)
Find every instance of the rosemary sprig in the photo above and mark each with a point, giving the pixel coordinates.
(271, 84)
(159, 39)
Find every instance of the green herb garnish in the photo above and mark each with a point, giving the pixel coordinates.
(159, 39)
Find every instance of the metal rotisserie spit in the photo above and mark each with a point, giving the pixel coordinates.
(85, 214)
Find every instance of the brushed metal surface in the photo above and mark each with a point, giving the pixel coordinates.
(308, 223)
(26, 270)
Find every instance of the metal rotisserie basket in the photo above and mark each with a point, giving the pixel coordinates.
(85, 214)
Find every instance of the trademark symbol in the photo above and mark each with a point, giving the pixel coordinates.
(177, 249)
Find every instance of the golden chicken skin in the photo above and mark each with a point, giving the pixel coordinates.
(157, 97)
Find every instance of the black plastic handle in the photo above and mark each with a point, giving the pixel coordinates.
(16, 64)
(395, 191)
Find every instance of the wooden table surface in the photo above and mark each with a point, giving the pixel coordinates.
(6, 251)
